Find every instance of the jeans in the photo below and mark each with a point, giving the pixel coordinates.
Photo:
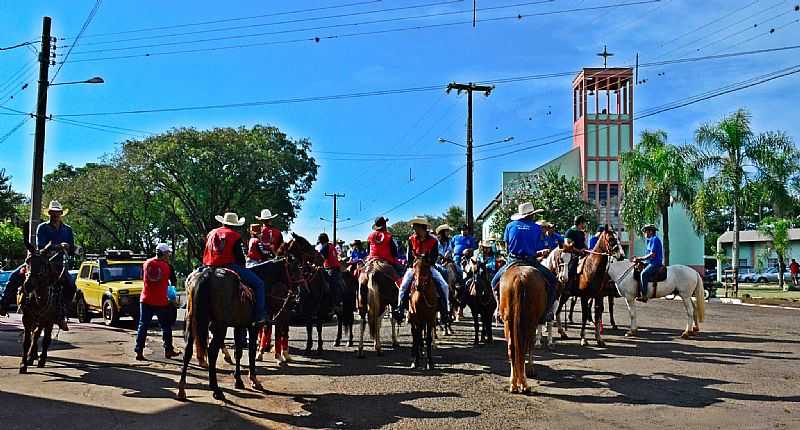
(647, 275)
(253, 281)
(165, 320)
(437, 277)
(548, 276)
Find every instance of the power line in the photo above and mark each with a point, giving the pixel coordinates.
(754, 26)
(713, 21)
(13, 129)
(19, 45)
(86, 23)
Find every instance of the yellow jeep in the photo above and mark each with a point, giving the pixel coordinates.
(110, 285)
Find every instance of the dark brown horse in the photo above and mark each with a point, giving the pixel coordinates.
(39, 302)
(424, 302)
(376, 293)
(346, 319)
(523, 303)
(478, 297)
(281, 301)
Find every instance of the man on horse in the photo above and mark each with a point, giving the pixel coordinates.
(593, 240)
(357, 252)
(422, 245)
(224, 248)
(333, 267)
(271, 237)
(523, 238)
(255, 251)
(382, 247)
(461, 243)
(654, 259)
(154, 300)
(575, 243)
(551, 238)
(445, 248)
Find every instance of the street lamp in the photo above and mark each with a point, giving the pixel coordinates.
(94, 80)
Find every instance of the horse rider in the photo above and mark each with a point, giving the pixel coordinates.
(256, 253)
(460, 243)
(271, 237)
(575, 243)
(53, 232)
(551, 238)
(333, 267)
(445, 247)
(596, 237)
(224, 248)
(523, 238)
(487, 256)
(154, 300)
(654, 259)
(383, 248)
(357, 252)
(422, 245)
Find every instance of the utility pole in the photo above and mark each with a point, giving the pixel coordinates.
(469, 88)
(38, 140)
(335, 196)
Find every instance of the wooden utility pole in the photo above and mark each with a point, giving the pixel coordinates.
(469, 88)
(335, 212)
(38, 140)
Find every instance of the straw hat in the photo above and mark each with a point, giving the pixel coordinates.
(524, 210)
(421, 221)
(443, 227)
(544, 223)
(55, 206)
(231, 219)
(266, 214)
(649, 227)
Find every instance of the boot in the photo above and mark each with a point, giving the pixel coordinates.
(444, 311)
(399, 312)
(170, 354)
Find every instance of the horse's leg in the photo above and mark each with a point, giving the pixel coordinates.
(550, 341)
(309, 335)
(201, 355)
(689, 305)
(339, 324)
(285, 345)
(26, 346)
(225, 353)
(213, 353)
(572, 308)
(252, 345)
(611, 310)
(537, 336)
(395, 343)
(598, 318)
(48, 331)
(360, 353)
(187, 358)
(415, 345)
(429, 343)
(630, 300)
(319, 336)
(584, 317)
(350, 333)
(33, 352)
(475, 316)
(562, 330)
(238, 334)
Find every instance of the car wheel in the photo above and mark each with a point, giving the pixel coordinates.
(706, 294)
(110, 314)
(82, 310)
(762, 280)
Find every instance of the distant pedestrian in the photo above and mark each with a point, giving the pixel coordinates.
(158, 274)
(794, 269)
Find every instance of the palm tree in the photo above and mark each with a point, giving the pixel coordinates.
(732, 153)
(778, 162)
(655, 176)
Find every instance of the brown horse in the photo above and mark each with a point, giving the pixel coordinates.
(424, 303)
(39, 302)
(376, 292)
(478, 297)
(281, 301)
(218, 300)
(523, 303)
(346, 319)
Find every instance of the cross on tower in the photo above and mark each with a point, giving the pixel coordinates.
(605, 54)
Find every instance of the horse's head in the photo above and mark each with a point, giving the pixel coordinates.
(422, 271)
(609, 244)
(39, 271)
(301, 249)
(560, 264)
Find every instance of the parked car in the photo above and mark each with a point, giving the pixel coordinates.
(746, 274)
(111, 285)
(4, 275)
(769, 275)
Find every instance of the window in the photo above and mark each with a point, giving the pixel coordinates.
(85, 270)
(95, 273)
(591, 193)
(603, 195)
(122, 272)
(772, 262)
(743, 262)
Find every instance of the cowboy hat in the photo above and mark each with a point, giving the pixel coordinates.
(421, 221)
(230, 218)
(649, 227)
(443, 227)
(55, 206)
(380, 221)
(266, 214)
(524, 210)
(544, 223)
(486, 244)
(355, 242)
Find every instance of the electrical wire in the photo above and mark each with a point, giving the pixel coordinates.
(13, 129)
(19, 45)
(86, 23)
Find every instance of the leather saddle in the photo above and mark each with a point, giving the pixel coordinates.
(659, 276)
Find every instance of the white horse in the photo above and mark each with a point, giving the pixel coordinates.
(683, 280)
(557, 262)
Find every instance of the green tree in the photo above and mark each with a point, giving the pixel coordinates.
(777, 229)
(559, 196)
(656, 175)
(777, 167)
(12, 248)
(727, 149)
(454, 216)
(199, 174)
(9, 198)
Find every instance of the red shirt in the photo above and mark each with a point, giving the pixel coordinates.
(331, 259)
(253, 251)
(794, 268)
(219, 247)
(380, 246)
(156, 279)
(271, 237)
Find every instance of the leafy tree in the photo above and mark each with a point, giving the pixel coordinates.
(199, 174)
(777, 229)
(560, 197)
(777, 167)
(12, 248)
(727, 149)
(454, 216)
(655, 176)
(9, 198)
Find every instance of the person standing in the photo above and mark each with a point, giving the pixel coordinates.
(654, 259)
(154, 300)
(460, 244)
(794, 269)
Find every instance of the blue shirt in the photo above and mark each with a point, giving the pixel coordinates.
(552, 241)
(445, 248)
(654, 246)
(46, 234)
(461, 243)
(357, 255)
(524, 238)
(593, 241)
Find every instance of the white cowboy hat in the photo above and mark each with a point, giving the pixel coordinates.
(545, 223)
(443, 227)
(524, 210)
(266, 214)
(649, 227)
(231, 219)
(163, 247)
(55, 206)
(420, 220)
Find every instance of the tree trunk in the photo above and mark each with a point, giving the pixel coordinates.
(735, 250)
(665, 225)
(781, 269)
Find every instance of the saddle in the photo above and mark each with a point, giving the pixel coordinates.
(659, 276)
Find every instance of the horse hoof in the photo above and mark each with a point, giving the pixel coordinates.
(350, 343)
(40, 364)
(526, 390)
(431, 366)
(613, 327)
(337, 343)
(601, 343)
(415, 365)
(256, 386)
(513, 390)
(564, 336)
(685, 335)
(695, 330)
(23, 370)
(286, 357)
(239, 385)
(584, 342)
(218, 395)
(181, 396)
(260, 357)
(630, 333)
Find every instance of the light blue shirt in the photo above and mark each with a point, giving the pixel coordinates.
(524, 238)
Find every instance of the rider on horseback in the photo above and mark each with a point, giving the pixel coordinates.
(460, 244)
(523, 238)
(357, 252)
(382, 247)
(596, 237)
(224, 248)
(551, 238)
(575, 241)
(422, 245)
(271, 237)
(333, 267)
(445, 248)
(654, 259)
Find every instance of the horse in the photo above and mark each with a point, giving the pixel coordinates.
(681, 280)
(455, 287)
(281, 300)
(424, 302)
(376, 292)
(480, 300)
(314, 294)
(593, 280)
(557, 261)
(39, 302)
(346, 319)
(218, 300)
(611, 293)
(523, 303)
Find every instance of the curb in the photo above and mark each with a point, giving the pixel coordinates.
(731, 301)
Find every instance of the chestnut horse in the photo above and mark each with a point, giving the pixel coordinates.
(424, 303)
(376, 292)
(523, 303)
(478, 297)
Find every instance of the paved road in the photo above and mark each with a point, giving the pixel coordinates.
(742, 372)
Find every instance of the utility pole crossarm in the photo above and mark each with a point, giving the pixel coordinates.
(335, 197)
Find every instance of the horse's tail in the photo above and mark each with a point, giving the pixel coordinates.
(199, 314)
(699, 295)
(517, 323)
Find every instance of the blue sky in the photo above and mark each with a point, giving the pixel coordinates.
(399, 125)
